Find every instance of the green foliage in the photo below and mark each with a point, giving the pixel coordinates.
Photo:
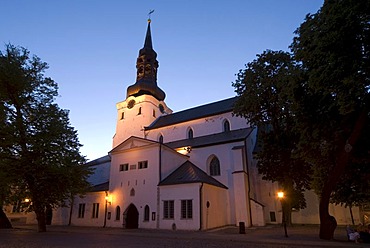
(323, 96)
(265, 88)
(39, 152)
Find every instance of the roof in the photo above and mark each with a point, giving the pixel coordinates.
(100, 160)
(213, 139)
(190, 173)
(100, 187)
(210, 109)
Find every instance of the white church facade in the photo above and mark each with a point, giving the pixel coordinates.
(188, 170)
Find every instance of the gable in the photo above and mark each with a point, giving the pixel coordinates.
(133, 142)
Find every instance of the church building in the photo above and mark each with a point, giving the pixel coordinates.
(187, 170)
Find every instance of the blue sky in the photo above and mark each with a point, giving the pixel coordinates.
(91, 47)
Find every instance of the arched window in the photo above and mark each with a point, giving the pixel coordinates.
(118, 213)
(190, 133)
(160, 139)
(146, 213)
(226, 126)
(132, 192)
(214, 167)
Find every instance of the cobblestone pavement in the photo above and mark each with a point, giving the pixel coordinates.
(270, 236)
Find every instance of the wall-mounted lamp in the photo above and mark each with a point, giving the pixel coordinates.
(108, 198)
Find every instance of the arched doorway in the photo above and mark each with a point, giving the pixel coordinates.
(131, 217)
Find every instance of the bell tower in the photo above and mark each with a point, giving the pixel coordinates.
(144, 99)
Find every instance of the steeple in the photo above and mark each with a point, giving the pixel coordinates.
(146, 65)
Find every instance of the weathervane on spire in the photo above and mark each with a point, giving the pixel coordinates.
(149, 14)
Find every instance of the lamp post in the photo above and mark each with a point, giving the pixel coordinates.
(280, 195)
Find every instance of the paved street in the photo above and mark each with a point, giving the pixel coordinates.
(271, 236)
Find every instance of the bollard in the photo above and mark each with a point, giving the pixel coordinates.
(241, 227)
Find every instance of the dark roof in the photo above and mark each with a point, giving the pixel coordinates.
(190, 173)
(210, 109)
(100, 187)
(100, 160)
(259, 141)
(213, 139)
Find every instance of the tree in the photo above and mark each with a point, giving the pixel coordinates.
(41, 156)
(265, 88)
(333, 47)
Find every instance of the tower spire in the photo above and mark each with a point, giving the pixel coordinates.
(146, 65)
(148, 37)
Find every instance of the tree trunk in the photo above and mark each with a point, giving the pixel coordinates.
(350, 211)
(4, 221)
(41, 218)
(328, 222)
(70, 211)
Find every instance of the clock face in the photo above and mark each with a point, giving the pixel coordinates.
(161, 108)
(131, 104)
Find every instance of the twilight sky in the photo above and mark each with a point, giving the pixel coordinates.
(91, 47)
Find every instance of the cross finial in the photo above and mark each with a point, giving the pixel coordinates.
(149, 14)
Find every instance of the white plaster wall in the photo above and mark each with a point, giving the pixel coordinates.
(310, 215)
(143, 181)
(133, 123)
(218, 213)
(178, 193)
(89, 199)
(241, 204)
(201, 127)
(257, 214)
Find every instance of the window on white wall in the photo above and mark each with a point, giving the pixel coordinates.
(146, 213)
(226, 126)
(123, 167)
(95, 212)
(143, 164)
(168, 209)
(81, 210)
(186, 209)
(214, 167)
(190, 133)
(118, 213)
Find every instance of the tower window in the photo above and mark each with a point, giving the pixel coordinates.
(153, 113)
(226, 126)
(139, 112)
(190, 134)
(160, 139)
(122, 115)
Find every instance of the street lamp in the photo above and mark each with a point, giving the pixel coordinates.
(280, 195)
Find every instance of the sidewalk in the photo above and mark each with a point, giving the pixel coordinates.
(299, 235)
